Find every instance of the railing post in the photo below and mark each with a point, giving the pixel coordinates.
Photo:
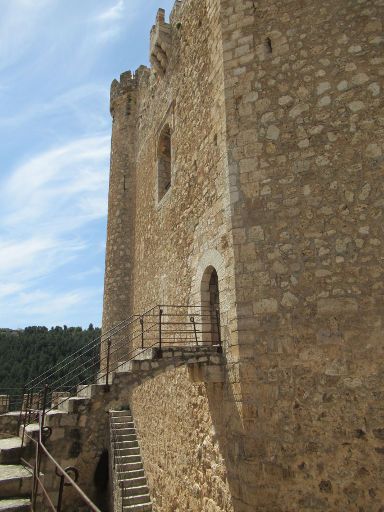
(142, 331)
(35, 487)
(21, 408)
(218, 327)
(45, 394)
(25, 417)
(160, 329)
(60, 497)
(108, 358)
(63, 483)
(192, 318)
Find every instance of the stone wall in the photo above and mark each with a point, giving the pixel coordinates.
(276, 115)
(303, 88)
(181, 426)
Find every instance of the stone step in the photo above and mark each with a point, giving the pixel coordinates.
(15, 481)
(10, 450)
(102, 378)
(127, 452)
(122, 412)
(90, 390)
(9, 423)
(130, 466)
(117, 425)
(128, 437)
(126, 445)
(129, 459)
(15, 505)
(133, 482)
(31, 431)
(75, 404)
(84, 391)
(140, 499)
(121, 420)
(123, 426)
(147, 507)
(125, 432)
(53, 418)
(134, 491)
(131, 475)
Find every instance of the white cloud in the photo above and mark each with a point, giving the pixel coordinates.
(114, 13)
(51, 200)
(62, 185)
(39, 302)
(84, 104)
(35, 307)
(19, 23)
(115, 18)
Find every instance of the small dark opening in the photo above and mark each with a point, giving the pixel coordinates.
(214, 304)
(164, 162)
(268, 45)
(101, 480)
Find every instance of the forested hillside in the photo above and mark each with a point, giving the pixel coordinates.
(26, 354)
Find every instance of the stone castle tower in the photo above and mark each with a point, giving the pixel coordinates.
(247, 164)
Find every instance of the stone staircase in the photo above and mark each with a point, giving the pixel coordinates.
(130, 483)
(15, 479)
(205, 363)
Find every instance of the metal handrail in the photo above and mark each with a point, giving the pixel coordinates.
(163, 323)
(131, 356)
(190, 332)
(69, 360)
(65, 479)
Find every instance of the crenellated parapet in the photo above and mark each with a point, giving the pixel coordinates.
(121, 91)
(160, 48)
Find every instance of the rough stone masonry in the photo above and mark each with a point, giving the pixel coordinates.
(253, 147)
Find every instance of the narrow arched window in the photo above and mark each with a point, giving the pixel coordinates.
(210, 305)
(164, 162)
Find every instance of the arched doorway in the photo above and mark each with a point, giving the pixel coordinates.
(101, 482)
(210, 305)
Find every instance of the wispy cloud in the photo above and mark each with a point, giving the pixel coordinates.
(113, 13)
(85, 104)
(61, 185)
(115, 18)
(57, 60)
(19, 24)
(36, 306)
(51, 198)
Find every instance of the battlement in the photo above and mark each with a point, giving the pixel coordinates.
(127, 84)
(160, 43)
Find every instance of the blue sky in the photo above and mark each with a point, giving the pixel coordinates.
(57, 60)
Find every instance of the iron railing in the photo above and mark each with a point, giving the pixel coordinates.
(160, 326)
(157, 328)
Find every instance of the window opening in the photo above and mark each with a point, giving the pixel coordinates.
(164, 164)
(210, 302)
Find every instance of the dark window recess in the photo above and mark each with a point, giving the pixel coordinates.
(164, 162)
(268, 45)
